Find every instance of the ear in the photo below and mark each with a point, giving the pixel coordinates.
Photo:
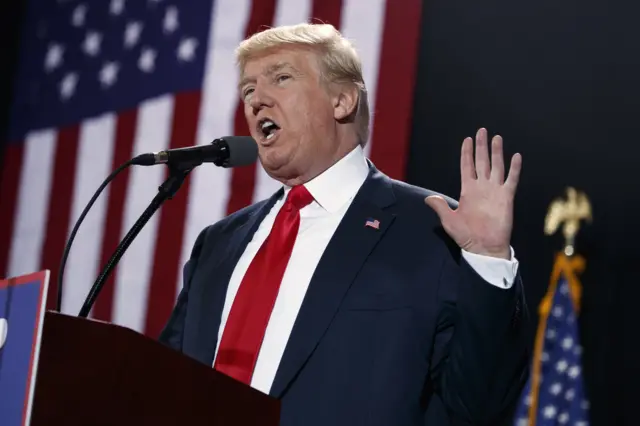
(345, 102)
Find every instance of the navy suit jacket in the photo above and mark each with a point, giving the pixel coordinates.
(395, 329)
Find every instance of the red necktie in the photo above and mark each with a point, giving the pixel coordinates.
(252, 306)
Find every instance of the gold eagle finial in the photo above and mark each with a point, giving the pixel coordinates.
(568, 213)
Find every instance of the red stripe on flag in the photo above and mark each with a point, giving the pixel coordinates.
(327, 12)
(9, 184)
(60, 202)
(243, 179)
(162, 290)
(396, 78)
(116, 196)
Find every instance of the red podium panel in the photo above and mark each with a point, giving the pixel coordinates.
(95, 373)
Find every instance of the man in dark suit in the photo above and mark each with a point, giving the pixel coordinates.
(353, 298)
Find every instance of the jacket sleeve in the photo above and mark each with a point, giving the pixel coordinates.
(480, 355)
(172, 333)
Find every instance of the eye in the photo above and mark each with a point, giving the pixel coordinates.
(247, 92)
(280, 78)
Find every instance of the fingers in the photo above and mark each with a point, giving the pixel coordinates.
(497, 160)
(483, 167)
(514, 173)
(467, 169)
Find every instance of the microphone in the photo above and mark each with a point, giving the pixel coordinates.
(229, 151)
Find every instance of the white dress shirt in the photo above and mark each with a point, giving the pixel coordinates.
(333, 191)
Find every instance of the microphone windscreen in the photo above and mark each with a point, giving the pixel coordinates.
(243, 150)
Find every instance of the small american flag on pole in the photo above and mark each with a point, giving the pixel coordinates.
(373, 223)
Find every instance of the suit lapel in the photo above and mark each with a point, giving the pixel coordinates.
(338, 267)
(214, 293)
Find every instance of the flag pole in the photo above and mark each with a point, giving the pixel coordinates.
(567, 214)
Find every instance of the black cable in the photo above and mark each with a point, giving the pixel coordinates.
(72, 236)
(166, 191)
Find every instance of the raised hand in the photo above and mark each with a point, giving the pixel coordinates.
(483, 221)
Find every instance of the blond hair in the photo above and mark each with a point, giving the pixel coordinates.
(339, 61)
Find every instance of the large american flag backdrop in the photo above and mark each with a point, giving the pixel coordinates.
(102, 81)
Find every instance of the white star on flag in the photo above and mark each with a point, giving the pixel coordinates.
(116, 7)
(53, 59)
(563, 418)
(557, 311)
(79, 15)
(567, 343)
(570, 394)
(187, 49)
(147, 61)
(562, 366)
(109, 74)
(92, 42)
(574, 371)
(550, 411)
(132, 33)
(555, 389)
(68, 85)
(170, 20)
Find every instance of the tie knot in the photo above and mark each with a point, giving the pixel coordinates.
(299, 197)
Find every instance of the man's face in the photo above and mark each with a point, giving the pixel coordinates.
(290, 114)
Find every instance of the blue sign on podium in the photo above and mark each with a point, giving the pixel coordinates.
(22, 307)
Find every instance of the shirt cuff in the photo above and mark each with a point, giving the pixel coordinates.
(498, 272)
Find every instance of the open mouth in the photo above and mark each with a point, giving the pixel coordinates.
(268, 127)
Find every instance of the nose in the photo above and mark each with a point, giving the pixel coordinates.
(260, 99)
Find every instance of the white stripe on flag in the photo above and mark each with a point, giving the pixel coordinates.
(363, 23)
(291, 12)
(210, 185)
(31, 213)
(288, 12)
(95, 153)
(153, 131)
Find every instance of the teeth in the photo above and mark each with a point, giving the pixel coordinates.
(268, 128)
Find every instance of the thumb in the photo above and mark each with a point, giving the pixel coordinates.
(439, 205)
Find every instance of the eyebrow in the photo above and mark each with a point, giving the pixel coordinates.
(272, 69)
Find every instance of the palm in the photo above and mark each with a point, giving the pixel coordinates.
(483, 221)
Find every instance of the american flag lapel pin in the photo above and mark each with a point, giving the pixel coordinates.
(372, 223)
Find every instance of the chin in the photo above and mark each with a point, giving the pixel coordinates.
(274, 158)
(275, 170)
(280, 171)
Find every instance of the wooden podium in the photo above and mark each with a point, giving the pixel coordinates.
(95, 373)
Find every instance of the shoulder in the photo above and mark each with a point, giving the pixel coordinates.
(236, 219)
(416, 220)
(407, 193)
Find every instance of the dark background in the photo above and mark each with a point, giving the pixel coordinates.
(560, 82)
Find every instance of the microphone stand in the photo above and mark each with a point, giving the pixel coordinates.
(177, 175)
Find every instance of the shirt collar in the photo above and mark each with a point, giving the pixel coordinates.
(339, 183)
